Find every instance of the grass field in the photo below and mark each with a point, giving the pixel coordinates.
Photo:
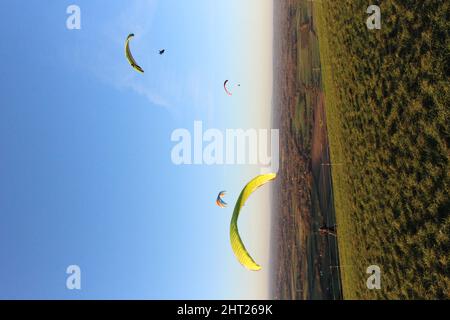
(387, 103)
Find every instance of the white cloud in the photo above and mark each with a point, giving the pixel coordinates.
(183, 90)
(107, 60)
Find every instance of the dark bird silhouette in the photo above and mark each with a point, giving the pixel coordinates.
(161, 51)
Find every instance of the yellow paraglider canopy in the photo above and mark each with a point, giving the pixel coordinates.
(237, 245)
(129, 56)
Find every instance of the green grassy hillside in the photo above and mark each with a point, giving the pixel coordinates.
(388, 101)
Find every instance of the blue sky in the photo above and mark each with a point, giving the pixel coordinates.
(86, 176)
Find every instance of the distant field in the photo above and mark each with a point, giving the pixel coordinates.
(387, 102)
(305, 261)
